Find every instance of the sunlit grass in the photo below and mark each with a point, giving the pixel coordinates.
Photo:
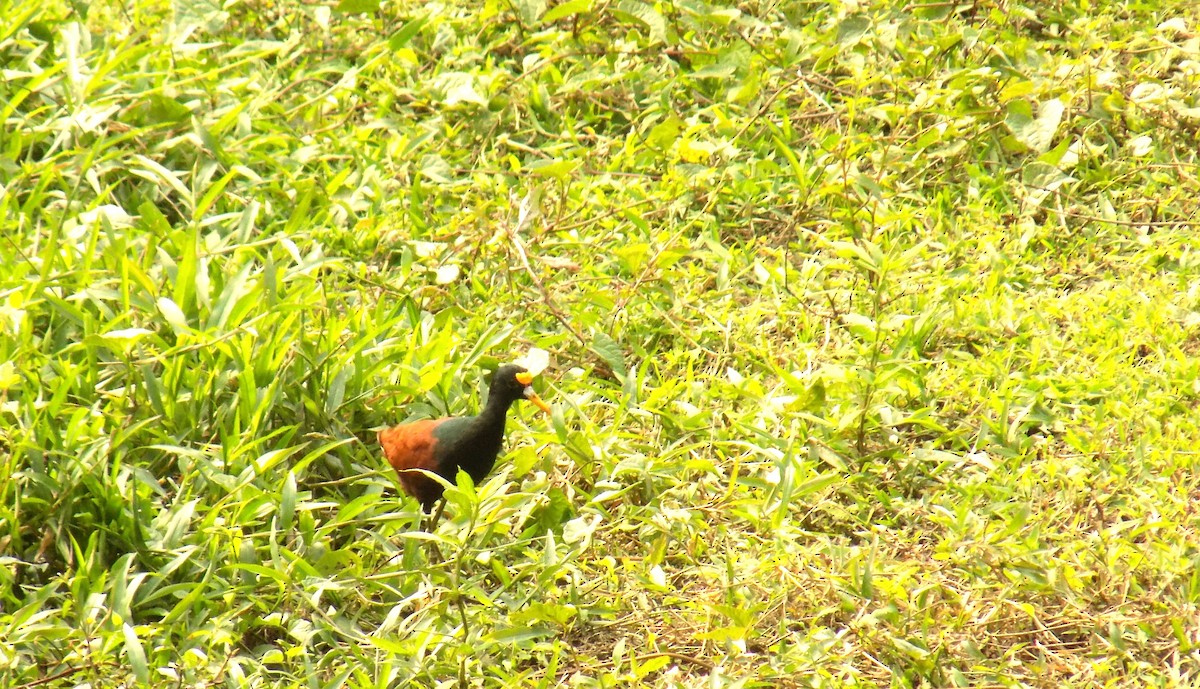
(873, 338)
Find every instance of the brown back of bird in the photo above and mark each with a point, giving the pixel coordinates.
(412, 446)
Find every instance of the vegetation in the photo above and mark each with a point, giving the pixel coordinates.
(872, 330)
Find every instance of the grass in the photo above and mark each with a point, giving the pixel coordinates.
(873, 332)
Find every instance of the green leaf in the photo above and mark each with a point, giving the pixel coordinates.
(1037, 134)
(154, 389)
(393, 646)
(634, 256)
(177, 526)
(287, 502)
(9, 378)
(336, 393)
(566, 9)
(909, 647)
(358, 6)
(716, 70)
(610, 352)
(173, 315)
(437, 169)
(645, 15)
(559, 169)
(816, 485)
(517, 634)
(152, 170)
(664, 134)
(411, 28)
(163, 110)
(555, 512)
(122, 592)
(135, 654)
(211, 194)
(523, 460)
(852, 29)
(653, 664)
(545, 612)
(125, 335)
(266, 573)
(234, 289)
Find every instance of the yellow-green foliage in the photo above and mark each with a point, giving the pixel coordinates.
(873, 330)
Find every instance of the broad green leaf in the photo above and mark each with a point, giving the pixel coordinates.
(287, 502)
(135, 654)
(173, 315)
(816, 485)
(664, 134)
(634, 256)
(211, 194)
(271, 458)
(436, 168)
(523, 460)
(411, 28)
(121, 592)
(153, 170)
(559, 169)
(234, 289)
(177, 525)
(1035, 133)
(154, 389)
(266, 573)
(567, 9)
(160, 109)
(358, 6)
(655, 663)
(852, 29)
(716, 70)
(336, 393)
(545, 612)
(645, 14)
(610, 352)
(507, 636)
(909, 647)
(246, 222)
(9, 378)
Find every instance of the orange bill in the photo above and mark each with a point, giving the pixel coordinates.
(533, 397)
(525, 378)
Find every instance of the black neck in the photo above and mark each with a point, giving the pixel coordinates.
(495, 411)
(480, 442)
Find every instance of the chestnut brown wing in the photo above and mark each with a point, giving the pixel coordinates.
(414, 446)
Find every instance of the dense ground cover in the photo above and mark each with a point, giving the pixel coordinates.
(873, 331)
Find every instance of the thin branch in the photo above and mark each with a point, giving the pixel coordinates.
(47, 680)
(514, 234)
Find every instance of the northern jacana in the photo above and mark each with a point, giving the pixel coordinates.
(443, 446)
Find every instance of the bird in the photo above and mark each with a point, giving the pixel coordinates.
(443, 446)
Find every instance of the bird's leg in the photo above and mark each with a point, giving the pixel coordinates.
(433, 518)
(431, 523)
